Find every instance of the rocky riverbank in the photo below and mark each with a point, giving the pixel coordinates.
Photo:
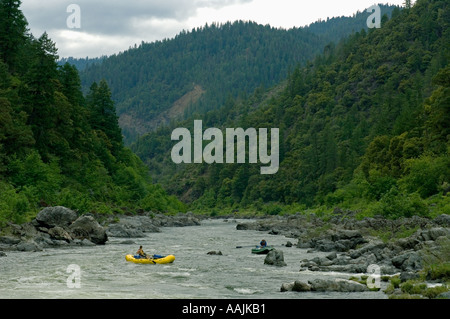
(403, 248)
(59, 226)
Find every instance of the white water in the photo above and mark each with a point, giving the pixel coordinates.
(105, 274)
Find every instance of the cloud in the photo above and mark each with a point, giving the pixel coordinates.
(114, 17)
(109, 26)
(124, 23)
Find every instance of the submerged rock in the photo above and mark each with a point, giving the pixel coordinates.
(213, 252)
(275, 258)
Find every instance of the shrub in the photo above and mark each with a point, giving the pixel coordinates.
(395, 204)
(426, 174)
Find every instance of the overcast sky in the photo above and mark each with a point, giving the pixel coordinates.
(109, 26)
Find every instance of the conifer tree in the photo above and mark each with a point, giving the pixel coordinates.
(103, 114)
(13, 27)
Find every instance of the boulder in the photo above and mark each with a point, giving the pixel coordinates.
(139, 223)
(301, 286)
(28, 246)
(434, 233)
(56, 216)
(331, 256)
(442, 220)
(86, 227)
(124, 231)
(275, 258)
(59, 233)
(7, 240)
(408, 261)
(213, 252)
(338, 285)
(287, 286)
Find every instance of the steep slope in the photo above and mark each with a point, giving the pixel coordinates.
(365, 124)
(230, 59)
(58, 147)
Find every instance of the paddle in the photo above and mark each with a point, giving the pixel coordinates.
(253, 246)
(247, 246)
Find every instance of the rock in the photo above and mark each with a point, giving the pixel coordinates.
(288, 244)
(301, 286)
(215, 253)
(442, 220)
(275, 258)
(124, 231)
(434, 233)
(244, 226)
(287, 287)
(59, 233)
(86, 227)
(2, 254)
(331, 256)
(408, 261)
(127, 242)
(339, 285)
(28, 246)
(87, 242)
(56, 216)
(346, 234)
(144, 224)
(9, 240)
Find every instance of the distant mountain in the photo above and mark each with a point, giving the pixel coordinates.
(198, 70)
(81, 63)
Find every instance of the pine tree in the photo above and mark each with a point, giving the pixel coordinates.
(407, 4)
(13, 27)
(103, 114)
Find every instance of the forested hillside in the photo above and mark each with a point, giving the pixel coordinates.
(364, 126)
(219, 61)
(57, 146)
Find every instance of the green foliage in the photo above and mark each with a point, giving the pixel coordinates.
(364, 125)
(225, 60)
(395, 204)
(58, 147)
(13, 206)
(426, 174)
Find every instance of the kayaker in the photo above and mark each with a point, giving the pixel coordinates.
(263, 243)
(141, 253)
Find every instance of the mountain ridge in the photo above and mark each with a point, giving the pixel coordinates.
(224, 59)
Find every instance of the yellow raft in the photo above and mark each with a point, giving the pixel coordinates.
(159, 260)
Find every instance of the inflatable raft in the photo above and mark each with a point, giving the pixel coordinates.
(156, 259)
(262, 250)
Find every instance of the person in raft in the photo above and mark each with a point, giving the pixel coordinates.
(263, 243)
(141, 253)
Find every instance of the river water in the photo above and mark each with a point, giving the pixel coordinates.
(102, 272)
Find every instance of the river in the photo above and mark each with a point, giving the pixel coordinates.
(102, 272)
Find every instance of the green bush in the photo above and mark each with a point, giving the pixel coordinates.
(395, 204)
(14, 206)
(426, 174)
(272, 209)
(433, 292)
